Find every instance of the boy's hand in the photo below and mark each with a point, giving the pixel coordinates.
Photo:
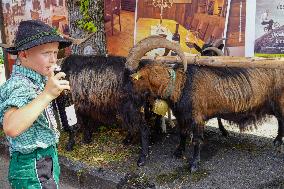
(55, 85)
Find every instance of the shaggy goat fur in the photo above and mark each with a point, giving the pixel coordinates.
(240, 95)
(102, 92)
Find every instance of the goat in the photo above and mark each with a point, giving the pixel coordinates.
(102, 90)
(240, 95)
(213, 48)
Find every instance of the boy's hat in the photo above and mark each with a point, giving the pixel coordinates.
(32, 33)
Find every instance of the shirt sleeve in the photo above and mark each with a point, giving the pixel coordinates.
(15, 94)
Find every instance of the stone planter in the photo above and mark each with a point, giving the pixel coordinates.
(2, 74)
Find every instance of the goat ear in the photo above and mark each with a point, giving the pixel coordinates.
(143, 63)
(221, 46)
(197, 47)
(135, 76)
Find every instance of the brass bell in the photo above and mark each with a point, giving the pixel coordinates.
(160, 107)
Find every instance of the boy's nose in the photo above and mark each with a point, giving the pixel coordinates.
(53, 58)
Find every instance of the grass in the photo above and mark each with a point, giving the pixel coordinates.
(182, 173)
(2, 134)
(106, 149)
(268, 55)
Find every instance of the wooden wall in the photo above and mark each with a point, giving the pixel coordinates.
(234, 23)
(183, 13)
(176, 12)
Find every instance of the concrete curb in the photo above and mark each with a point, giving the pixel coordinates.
(78, 174)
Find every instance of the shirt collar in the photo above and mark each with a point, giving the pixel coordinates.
(29, 73)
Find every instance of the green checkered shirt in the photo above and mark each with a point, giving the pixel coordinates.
(23, 86)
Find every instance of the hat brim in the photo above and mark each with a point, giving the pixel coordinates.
(63, 43)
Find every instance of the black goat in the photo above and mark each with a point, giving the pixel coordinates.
(102, 90)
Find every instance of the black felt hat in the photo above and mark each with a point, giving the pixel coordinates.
(32, 33)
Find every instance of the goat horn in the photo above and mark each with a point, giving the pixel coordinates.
(150, 43)
(78, 41)
(218, 42)
(208, 41)
(216, 50)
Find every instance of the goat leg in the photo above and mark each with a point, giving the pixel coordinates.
(156, 131)
(71, 142)
(181, 148)
(144, 130)
(224, 132)
(197, 141)
(196, 155)
(88, 129)
(128, 139)
(278, 140)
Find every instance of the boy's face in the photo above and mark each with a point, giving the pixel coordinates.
(41, 59)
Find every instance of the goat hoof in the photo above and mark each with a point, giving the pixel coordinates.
(193, 167)
(69, 147)
(178, 153)
(87, 140)
(225, 134)
(126, 141)
(277, 142)
(141, 161)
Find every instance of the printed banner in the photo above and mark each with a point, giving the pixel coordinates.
(269, 29)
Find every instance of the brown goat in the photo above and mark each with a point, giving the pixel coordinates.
(240, 95)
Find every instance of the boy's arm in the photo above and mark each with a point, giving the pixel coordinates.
(18, 120)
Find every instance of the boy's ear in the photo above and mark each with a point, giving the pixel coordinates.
(22, 54)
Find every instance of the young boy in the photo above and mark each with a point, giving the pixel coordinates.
(25, 107)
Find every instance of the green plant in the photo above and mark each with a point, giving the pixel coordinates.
(1, 56)
(87, 22)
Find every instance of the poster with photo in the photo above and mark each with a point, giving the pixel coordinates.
(198, 21)
(52, 12)
(269, 29)
(185, 21)
(195, 21)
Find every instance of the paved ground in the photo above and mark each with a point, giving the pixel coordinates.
(241, 161)
(3, 173)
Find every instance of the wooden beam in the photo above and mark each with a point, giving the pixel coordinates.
(229, 61)
(182, 1)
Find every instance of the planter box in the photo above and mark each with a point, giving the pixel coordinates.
(2, 74)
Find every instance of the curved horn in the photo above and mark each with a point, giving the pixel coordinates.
(78, 41)
(208, 41)
(214, 49)
(218, 42)
(150, 43)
